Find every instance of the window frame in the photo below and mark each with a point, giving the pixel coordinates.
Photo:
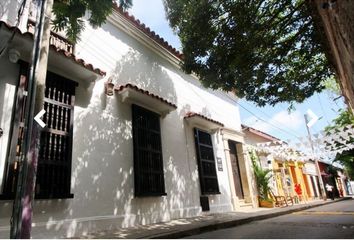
(141, 190)
(10, 185)
(200, 162)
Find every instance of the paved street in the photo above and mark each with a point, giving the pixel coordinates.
(330, 221)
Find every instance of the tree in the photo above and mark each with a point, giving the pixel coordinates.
(346, 158)
(267, 51)
(68, 14)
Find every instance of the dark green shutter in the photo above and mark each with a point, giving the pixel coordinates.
(206, 163)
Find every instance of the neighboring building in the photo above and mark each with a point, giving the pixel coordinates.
(287, 169)
(254, 137)
(311, 175)
(334, 176)
(342, 183)
(335, 19)
(160, 148)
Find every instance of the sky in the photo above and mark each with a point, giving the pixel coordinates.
(276, 120)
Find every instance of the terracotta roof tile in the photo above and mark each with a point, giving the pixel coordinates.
(60, 51)
(148, 32)
(129, 85)
(193, 114)
(260, 133)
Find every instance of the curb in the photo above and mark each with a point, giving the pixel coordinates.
(234, 223)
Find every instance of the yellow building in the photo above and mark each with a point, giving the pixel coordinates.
(286, 164)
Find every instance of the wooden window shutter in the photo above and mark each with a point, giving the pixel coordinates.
(206, 163)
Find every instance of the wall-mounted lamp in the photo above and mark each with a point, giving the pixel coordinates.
(109, 87)
(14, 55)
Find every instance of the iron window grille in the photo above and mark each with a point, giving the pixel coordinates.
(148, 161)
(54, 159)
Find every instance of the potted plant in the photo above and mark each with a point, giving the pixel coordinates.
(262, 179)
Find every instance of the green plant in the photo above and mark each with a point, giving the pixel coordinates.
(262, 177)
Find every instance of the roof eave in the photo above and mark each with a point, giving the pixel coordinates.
(118, 19)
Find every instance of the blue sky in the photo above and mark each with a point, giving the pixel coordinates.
(272, 120)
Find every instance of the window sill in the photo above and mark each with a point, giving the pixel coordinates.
(210, 193)
(142, 195)
(4, 197)
(69, 196)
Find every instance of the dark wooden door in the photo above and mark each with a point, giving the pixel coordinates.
(236, 169)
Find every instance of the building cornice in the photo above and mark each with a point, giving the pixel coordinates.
(122, 21)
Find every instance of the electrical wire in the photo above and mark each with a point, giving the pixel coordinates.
(276, 127)
(280, 129)
(322, 109)
(266, 114)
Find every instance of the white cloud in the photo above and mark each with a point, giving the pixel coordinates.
(292, 121)
(282, 119)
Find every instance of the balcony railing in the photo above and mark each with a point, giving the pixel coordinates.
(55, 39)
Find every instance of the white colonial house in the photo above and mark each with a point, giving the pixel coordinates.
(130, 138)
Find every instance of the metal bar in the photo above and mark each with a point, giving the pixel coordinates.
(17, 220)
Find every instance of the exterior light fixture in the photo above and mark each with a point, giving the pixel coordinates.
(109, 87)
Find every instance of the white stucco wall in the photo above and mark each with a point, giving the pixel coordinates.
(8, 80)
(9, 10)
(253, 139)
(102, 158)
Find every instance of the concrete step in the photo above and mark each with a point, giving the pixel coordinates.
(244, 203)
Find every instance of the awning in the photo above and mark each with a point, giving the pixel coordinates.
(199, 120)
(130, 93)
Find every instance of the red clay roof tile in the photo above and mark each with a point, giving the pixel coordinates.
(148, 32)
(259, 132)
(60, 51)
(193, 114)
(129, 85)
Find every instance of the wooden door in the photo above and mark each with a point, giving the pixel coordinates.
(236, 169)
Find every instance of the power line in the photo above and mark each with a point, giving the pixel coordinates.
(266, 114)
(280, 129)
(323, 111)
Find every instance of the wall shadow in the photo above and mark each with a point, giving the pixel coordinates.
(102, 168)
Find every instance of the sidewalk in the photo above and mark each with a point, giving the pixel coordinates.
(190, 226)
